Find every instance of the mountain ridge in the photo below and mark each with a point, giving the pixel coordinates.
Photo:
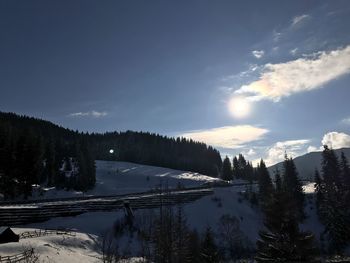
(307, 163)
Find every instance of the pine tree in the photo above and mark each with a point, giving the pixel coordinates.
(181, 237)
(293, 187)
(283, 241)
(235, 168)
(334, 207)
(345, 173)
(265, 183)
(226, 169)
(209, 249)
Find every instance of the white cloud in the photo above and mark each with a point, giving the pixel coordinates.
(251, 152)
(312, 149)
(346, 121)
(258, 53)
(303, 74)
(336, 140)
(292, 148)
(298, 19)
(227, 137)
(94, 114)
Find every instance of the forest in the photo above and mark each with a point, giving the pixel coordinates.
(35, 151)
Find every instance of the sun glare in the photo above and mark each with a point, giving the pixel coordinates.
(239, 107)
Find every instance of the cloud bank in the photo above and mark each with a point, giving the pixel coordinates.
(300, 75)
(336, 140)
(227, 137)
(292, 148)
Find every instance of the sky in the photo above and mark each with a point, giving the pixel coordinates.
(262, 78)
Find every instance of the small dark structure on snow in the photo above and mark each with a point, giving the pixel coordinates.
(7, 235)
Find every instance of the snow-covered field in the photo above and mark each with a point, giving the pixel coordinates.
(121, 177)
(56, 248)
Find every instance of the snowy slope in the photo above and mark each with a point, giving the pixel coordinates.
(123, 177)
(56, 248)
(200, 214)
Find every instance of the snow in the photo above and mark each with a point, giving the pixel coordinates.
(121, 178)
(124, 177)
(309, 188)
(56, 248)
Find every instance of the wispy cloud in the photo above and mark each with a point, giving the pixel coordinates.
(346, 121)
(298, 19)
(303, 74)
(336, 140)
(258, 53)
(93, 113)
(293, 51)
(229, 136)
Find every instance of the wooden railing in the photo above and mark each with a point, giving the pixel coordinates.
(21, 257)
(46, 232)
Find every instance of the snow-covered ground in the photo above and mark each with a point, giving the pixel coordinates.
(56, 248)
(123, 177)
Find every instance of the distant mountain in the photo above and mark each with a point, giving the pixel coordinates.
(306, 164)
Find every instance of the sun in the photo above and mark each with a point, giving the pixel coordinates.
(239, 107)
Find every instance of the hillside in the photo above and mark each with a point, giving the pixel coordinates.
(306, 164)
(199, 214)
(123, 177)
(38, 152)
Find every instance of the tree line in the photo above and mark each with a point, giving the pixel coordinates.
(35, 151)
(33, 155)
(283, 206)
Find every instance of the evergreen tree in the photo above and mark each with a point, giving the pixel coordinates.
(345, 173)
(293, 187)
(265, 183)
(333, 206)
(226, 169)
(209, 249)
(283, 241)
(181, 237)
(235, 168)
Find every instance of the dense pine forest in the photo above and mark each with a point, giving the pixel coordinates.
(34, 151)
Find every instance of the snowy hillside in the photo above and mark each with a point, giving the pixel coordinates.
(56, 248)
(123, 177)
(120, 177)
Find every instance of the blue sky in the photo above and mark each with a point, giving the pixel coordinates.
(258, 77)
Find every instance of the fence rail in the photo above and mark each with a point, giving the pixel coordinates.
(46, 232)
(18, 257)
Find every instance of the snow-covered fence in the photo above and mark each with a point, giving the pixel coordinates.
(21, 257)
(45, 232)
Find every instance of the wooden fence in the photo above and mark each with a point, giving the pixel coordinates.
(22, 257)
(46, 232)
